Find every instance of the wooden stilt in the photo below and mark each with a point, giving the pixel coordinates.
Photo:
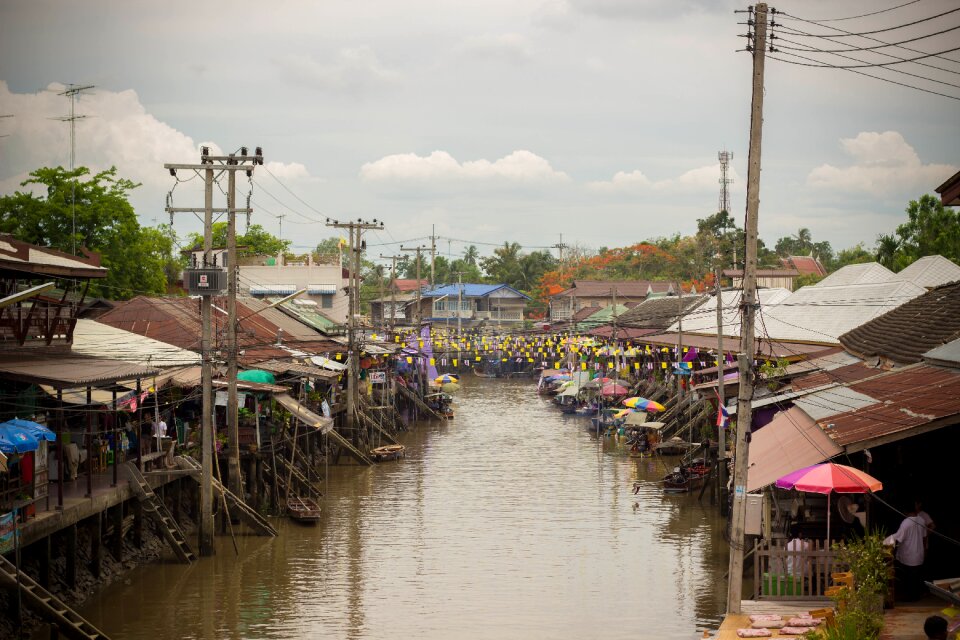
(70, 549)
(95, 546)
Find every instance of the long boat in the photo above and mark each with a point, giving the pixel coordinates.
(388, 452)
(302, 509)
(686, 478)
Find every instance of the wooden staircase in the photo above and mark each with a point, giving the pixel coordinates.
(153, 506)
(421, 405)
(50, 608)
(347, 446)
(237, 507)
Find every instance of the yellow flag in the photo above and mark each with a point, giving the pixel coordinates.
(454, 362)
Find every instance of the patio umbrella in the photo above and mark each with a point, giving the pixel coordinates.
(613, 389)
(643, 404)
(446, 378)
(827, 478)
(622, 413)
(38, 431)
(14, 439)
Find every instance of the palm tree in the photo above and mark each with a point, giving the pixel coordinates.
(471, 255)
(887, 248)
(804, 240)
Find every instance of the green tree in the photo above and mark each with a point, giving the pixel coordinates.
(93, 213)
(854, 255)
(257, 240)
(930, 229)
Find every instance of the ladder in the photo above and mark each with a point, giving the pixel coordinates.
(48, 606)
(355, 453)
(237, 506)
(410, 395)
(298, 475)
(153, 506)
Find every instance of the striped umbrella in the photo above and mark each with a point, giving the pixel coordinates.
(827, 478)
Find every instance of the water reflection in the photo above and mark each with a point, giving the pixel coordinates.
(509, 522)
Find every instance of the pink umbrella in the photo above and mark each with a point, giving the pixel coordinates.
(613, 389)
(827, 478)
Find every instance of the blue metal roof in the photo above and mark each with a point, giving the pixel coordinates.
(469, 290)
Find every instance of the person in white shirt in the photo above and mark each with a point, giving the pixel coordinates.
(911, 539)
(794, 563)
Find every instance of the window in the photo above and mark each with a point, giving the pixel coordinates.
(439, 305)
(326, 301)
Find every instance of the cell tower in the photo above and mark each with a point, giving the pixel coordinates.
(72, 92)
(725, 157)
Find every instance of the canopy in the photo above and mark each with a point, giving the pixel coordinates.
(257, 375)
(303, 414)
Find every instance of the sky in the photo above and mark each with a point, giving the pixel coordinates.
(598, 121)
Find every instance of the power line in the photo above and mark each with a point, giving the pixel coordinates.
(883, 46)
(864, 15)
(864, 33)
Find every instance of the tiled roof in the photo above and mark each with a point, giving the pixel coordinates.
(660, 313)
(624, 288)
(43, 261)
(703, 318)
(930, 271)
(584, 313)
(821, 314)
(411, 284)
(906, 332)
(867, 272)
(769, 273)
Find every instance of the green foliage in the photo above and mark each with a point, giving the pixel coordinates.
(139, 260)
(806, 279)
(519, 270)
(257, 240)
(802, 244)
(930, 229)
(770, 370)
(856, 254)
(869, 561)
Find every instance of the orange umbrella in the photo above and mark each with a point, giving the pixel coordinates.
(827, 478)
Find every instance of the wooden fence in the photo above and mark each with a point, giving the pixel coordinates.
(792, 575)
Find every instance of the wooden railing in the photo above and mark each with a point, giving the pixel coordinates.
(779, 574)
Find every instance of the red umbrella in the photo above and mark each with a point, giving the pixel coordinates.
(613, 389)
(827, 478)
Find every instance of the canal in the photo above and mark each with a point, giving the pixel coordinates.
(509, 521)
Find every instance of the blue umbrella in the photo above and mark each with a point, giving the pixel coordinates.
(14, 439)
(38, 431)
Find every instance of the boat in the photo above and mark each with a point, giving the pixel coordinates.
(304, 510)
(388, 452)
(675, 446)
(481, 374)
(686, 478)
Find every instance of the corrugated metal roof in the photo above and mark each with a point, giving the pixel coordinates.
(822, 314)
(947, 354)
(791, 441)
(279, 366)
(92, 338)
(867, 272)
(912, 398)
(659, 313)
(828, 402)
(930, 271)
(470, 290)
(68, 372)
(827, 362)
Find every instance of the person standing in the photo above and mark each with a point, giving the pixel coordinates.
(911, 540)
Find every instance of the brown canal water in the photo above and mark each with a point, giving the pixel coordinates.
(509, 521)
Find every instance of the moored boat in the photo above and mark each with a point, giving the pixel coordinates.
(388, 452)
(686, 478)
(304, 510)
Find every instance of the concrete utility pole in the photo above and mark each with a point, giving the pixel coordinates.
(459, 303)
(721, 430)
(560, 246)
(207, 167)
(417, 313)
(353, 343)
(393, 289)
(748, 310)
(680, 342)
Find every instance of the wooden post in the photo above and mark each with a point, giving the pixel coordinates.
(44, 577)
(89, 439)
(70, 552)
(118, 531)
(116, 441)
(96, 532)
(138, 523)
(61, 450)
(139, 429)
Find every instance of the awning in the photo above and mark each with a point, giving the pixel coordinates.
(307, 417)
(278, 366)
(273, 289)
(64, 371)
(327, 363)
(321, 289)
(791, 441)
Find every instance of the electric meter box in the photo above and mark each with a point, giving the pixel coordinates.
(205, 282)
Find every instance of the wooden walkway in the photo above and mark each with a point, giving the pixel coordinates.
(786, 608)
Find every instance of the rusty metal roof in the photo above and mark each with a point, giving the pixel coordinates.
(909, 400)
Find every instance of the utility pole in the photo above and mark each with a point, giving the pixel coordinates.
(433, 253)
(72, 93)
(748, 311)
(417, 314)
(680, 342)
(353, 343)
(459, 303)
(721, 369)
(207, 167)
(280, 217)
(393, 289)
(560, 246)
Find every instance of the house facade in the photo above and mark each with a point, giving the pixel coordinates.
(473, 304)
(600, 293)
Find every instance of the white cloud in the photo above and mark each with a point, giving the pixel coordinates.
(882, 163)
(352, 70)
(511, 47)
(700, 179)
(518, 167)
(118, 131)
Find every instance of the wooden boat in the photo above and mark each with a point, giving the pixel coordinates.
(686, 478)
(481, 374)
(388, 452)
(303, 510)
(674, 447)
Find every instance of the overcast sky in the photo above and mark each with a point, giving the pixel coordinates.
(494, 120)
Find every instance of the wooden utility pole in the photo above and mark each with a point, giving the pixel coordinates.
(680, 343)
(393, 289)
(433, 253)
(209, 165)
(353, 343)
(417, 314)
(748, 310)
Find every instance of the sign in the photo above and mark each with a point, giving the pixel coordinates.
(378, 377)
(8, 529)
(203, 281)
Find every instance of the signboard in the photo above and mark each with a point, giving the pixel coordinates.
(8, 529)
(378, 377)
